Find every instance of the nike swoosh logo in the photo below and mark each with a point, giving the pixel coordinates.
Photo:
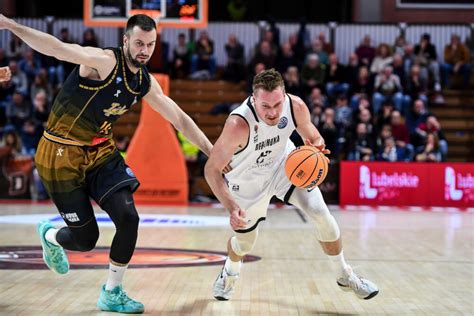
(128, 202)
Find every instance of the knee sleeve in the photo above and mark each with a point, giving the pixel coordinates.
(242, 244)
(128, 220)
(327, 227)
(121, 210)
(81, 238)
(314, 206)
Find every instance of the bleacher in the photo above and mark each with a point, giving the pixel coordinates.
(197, 98)
(456, 115)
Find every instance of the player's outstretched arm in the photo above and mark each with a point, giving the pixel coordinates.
(46, 44)
(234, 135)
(176, 116)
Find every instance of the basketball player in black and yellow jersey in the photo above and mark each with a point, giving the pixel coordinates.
(77, 158)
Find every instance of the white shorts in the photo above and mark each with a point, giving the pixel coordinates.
(255, 198)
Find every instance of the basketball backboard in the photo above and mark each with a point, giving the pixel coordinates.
(167, 13)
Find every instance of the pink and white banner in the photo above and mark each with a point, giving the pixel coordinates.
(404, 184)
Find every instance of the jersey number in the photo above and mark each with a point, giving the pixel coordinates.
(262, 156)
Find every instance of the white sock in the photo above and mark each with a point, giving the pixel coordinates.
(233, 267)
(115, 276)
(50, 236)
(338, 264)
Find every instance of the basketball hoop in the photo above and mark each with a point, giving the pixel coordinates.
(115, 13)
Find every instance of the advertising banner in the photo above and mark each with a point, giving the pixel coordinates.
(407, 184)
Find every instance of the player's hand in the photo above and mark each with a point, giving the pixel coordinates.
(5, 23)
(5, 74)
(227, 169)
(319, 144)
(237, 219)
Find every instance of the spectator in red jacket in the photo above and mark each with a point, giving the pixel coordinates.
(365, 51)
(401, 134)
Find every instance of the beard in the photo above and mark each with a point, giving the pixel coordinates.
(134, 61)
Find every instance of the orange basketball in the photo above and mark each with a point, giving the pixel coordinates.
(306, 167)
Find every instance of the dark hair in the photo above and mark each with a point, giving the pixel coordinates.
(142, 21)
(435, 140)
(268, 80)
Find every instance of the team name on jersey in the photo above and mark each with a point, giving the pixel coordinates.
(267, 142)
(115, 109)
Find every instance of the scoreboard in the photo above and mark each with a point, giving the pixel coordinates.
(167, 13)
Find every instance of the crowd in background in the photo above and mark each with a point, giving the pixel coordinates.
(373, 107)
(25, 100)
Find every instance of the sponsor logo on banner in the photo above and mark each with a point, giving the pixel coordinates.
(407, 184)
(458, 186)
(384, 185)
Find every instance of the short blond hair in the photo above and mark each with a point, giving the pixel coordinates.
(268, 80)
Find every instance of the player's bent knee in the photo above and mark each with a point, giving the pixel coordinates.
(240, 248)
(86, 244)
(242, 244)
(86, 237)
(129, 219)
(121, 210)
(327, 227)
(313, 203)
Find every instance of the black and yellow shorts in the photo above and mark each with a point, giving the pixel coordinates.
(72, 172)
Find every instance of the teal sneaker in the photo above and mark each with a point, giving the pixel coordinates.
(54, 256)
(117, 300)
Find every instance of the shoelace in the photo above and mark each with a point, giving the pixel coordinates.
(357, 281)
(121, 298)
(229, 282)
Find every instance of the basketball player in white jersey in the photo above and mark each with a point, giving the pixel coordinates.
(256, 141)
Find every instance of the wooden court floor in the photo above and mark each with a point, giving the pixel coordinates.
(423, 263)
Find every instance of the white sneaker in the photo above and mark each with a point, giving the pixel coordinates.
(437, 87)
(224, 285)
(364, 289)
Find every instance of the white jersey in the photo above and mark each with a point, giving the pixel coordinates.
(255, 166)
(258, 170)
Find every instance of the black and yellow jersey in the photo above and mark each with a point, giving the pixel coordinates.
(85, 109)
